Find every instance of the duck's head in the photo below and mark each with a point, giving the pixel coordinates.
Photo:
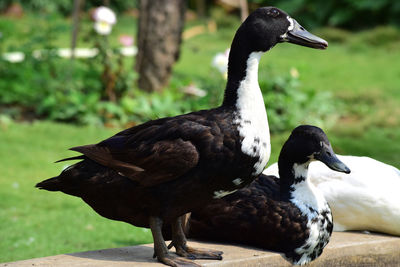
(309, 143)
(267, 26)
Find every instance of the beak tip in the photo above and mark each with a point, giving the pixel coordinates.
(344, 169)
(322, 44)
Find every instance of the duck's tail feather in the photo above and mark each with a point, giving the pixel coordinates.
(67, 181)
(58, 184)
(51, 184)
(72, 158)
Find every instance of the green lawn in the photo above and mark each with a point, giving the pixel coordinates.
(37, 223)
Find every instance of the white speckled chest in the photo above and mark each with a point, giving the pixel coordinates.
(313, 205)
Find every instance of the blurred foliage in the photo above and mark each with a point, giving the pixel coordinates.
(65, 7)
(224, 20)
(334, 35)
(349, 14)
(288, 104)
(49, 87)
(380, 36)
(53, 88)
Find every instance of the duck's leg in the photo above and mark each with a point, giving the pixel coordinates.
(161, 250)
(179, 241)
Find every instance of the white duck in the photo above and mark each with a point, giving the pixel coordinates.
(366, 199)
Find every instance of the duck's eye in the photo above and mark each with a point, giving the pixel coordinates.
(273, 12)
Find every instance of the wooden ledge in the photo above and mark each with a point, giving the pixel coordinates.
(345, 249)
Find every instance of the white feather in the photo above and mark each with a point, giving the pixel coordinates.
(222, 193)
(251, 116)
(291, 26)
(237, 181)
(311, 203)
(305, 196)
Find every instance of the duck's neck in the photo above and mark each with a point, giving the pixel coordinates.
(242, 85)
(287, 173)
(297, 188)
(244, 97)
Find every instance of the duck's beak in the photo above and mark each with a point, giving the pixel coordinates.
(330, 159)
(298, 35)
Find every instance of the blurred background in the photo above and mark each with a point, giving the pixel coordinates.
(72, 73)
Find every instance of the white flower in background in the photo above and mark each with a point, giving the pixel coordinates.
(104, 19)
(192, 89)
(128, 51)
(105, 14)
(127, 41)
(294, 73)
(79, 52)
(102, 27)
(14, 57)
(220, 62)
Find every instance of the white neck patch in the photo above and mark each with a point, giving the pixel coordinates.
(300, 170)
(305, 196)
(251, 117)
(291, 27)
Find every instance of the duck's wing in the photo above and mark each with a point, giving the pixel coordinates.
(251, 210)
(151, 153)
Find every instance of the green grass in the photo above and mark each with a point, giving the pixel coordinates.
(37, 223)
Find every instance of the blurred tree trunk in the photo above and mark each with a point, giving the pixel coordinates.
(76, 24)
(244, 9)
(159, 38)
(201, 8)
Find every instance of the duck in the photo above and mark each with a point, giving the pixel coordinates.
(152, 174)
(287, 215)
(365, 200)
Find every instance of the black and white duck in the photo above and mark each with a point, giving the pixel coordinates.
(155, 172)
(287, 215)
(365, 200)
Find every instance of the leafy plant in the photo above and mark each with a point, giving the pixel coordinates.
(381, 36)
(65, 7)
(347, 14)
(288, 104)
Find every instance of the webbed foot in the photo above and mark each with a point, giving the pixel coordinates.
(175, 261)
(195, 253)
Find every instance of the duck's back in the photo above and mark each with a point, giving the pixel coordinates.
(253, 215)
(163, 167)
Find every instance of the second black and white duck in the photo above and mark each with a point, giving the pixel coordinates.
(287, 215)
(153, 173)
